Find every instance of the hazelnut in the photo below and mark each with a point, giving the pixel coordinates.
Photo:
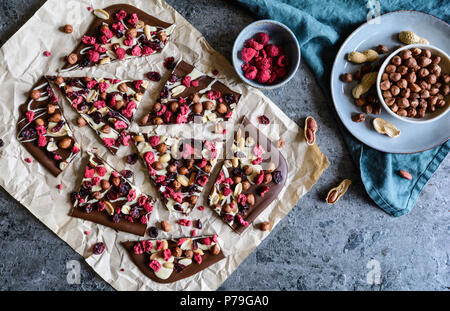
(411, 77)
(368, 108)
(421, 112)
(394, 108)
(157, 165)
(208, 105)
(190, 163)
(81, 121)
(384, 76)
(59, 80)
(405, 93)
(432, 79)
(389, 101)
(248, 169)
(441, 103)
(116, 181)
(346, 77)
(156, 107)
(207, 168)
(434, 91)
(103, 95)
(445, 89)
(173, 106)
(246, 185)
(358, 117)
(176, 251)
(390, 68)
(39, 122)
(183, 170)
(360, 102)
(65, 143)
(119, 104)
(104, 184)
(414, 103)
(198, 108)
(55, 118)
(376, 109)
(67, 28)
(215, 249)
(403, 102)
(386, 94)
(123, 87)
(176, 185)
(157, 121)
(382, 49)
(193, 199)
(237, 179)
(264, 226)
(402, 83)
(267, 178)
(405, 54)
(416, 51)
(396, 60)
(165, 226)
(250, 198)
(410, 62)
(395, 90)
(106, 129)
(402, 69)
(222, 108)
(402, 112)
(67, 89)
(144, 120)
(395, 76)
(171, 168)
(385, 85)
(226, 208)
(161, 148)
(424, 94)
(411, 112)
(426, 53)
(423, 61)
(194, 98)
(435, 59)
(35, 94)
(188, 253)
(131, 32)
(72, 58)
(97, 195)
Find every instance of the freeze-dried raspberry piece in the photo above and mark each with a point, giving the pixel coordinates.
(120, 52)
(121, 15)
(155, 265)
(281, 71)
(169, 63)
(251, 73)
(98, 248)
(263, 119)
(88, 40)
(247, 54)
(262, 38)
(138, 248)
(272, 50)
(264, 64)
(251, 43)
(263, 76)
(47, 53)
(184, 222)
(272, 79)
(147, 246)
(186, 81)
(136, 51)
(167, 254)
(198, 258)
(282, 61)
(245, 66)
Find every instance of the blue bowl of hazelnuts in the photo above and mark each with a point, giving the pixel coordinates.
(413, 83)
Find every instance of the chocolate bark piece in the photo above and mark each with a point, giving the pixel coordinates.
(250, 179)
(107, 105)
(128, 32)
(168, 261)
(44, 131)
(179, 168)
(190, 96)
(106, 197)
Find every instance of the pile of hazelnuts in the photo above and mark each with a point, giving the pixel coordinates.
(413, 84)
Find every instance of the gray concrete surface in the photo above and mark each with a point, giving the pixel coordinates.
(316, 247)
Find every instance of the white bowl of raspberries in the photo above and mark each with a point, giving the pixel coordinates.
(413, 83)
(266, 54)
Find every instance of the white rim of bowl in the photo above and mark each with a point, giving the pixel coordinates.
(257, 85)
(379, 92)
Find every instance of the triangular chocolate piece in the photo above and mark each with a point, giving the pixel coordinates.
(44, 131)
(167, 261)
(250, 179)
(119, 32)
(179, 168)
(190, 96)
(108, 198)
(107, 105)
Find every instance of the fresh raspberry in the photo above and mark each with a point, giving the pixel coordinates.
(251, 73)
(263, 76)
(262, 38)
(247, 54)
(272, 50)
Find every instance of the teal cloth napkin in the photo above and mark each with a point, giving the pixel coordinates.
(321, 27)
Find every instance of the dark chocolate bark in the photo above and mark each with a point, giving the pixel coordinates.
(107, 105)
(179, 168)
(44, 131)
(103, 38)
(250, 179)
(190, 96)
(195, 255)
(108, 198)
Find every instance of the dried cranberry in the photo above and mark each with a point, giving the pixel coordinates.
(277, 177)
(178, 207)
(199, 224)
(173, 78)
(124, 188)
(227, 217)
(97, 117)
(169, 63)
(74, 196)
(132, 158)
(164, 93)
(98, 248)
(229, 98)
(153, 232)
(263, 119)
(84, 191)
(243, 209)
(178, 267)
(58, 126)
(28, 133)
(237, 172)
(154, 76)
(112, 195)
(1, 143)
(116, 218)
(127, 173)
(194, 245)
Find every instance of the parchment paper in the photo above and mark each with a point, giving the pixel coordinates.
(22, 63)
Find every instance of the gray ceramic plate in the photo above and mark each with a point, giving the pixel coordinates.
(413, 137)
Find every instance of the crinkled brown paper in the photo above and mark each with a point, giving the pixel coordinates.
(22, 63)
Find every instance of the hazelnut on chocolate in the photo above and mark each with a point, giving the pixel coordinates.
(119, 104)
(198, 108)
(237, 179)
(39, 122)
(67, 28)
(264, 226)
(248, 170)
(157, 121)
(103, 95)
(194, 98)
(188, 253)
(246, 185)
(55, 118)
(132, 32)
(190, 163)
(222, 108)
(267, 178)
(193, 199)
(176, 185)
(65, 143)
(72, 59)
(177, 252)
(161, 148)
(35, 94)
(157, 165)
(156, 107)
(97, 195)
(183, 170)
(215, 249)
(144, 120)
(173, 106)
(104, 184)
(51, 109)
(226, 208)
(208, 105)
(165, 226)
(116, 181)
(250, 198)
(123, 87)
(106, 129)
(171, 168)
(207, 168)
(59, 80)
